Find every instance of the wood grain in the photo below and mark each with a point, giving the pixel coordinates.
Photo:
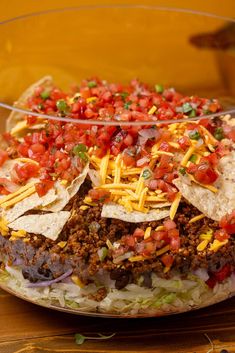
(27, 328)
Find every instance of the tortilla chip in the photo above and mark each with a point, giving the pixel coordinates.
(213, 205)
(49, 225)
(29, 203)
(64, 194)
(112, 210)
(16, 117)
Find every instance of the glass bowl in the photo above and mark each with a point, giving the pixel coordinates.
(157, 45)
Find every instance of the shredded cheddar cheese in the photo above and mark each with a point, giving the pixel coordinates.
(104, 167)
(109, 244)
(84, 207)
(175, 205)
(159, 228)
(216, 245)
(18, 198)
(76, 280)
(3, 226)
(202, 245)
(62, 244)
(152, 110)
(20, 126)
(26, 160)
(163, 250)
(137, 258)
(196, 218)
(187, 155)
(147, 232)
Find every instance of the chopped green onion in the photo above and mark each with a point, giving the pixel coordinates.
(219, 133)
(102, 253)
(194, 135)
(146, 174)
(193, 158)
(79, 148)
(192, 113)
(187, 107)
(127, 105)
(182, 171)
(45, 94)
(80, 151)
(91, 84)
(83, 156)
(124, 95)
(62, 105)
(40, 106)
(159, 88)
(80, 339)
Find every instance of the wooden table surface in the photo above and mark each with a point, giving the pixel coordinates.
(27, 328)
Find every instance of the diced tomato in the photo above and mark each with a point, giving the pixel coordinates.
(223, 273)
(211, 282)
(23, 149)
(169, 224)
(212, 159)
(167, 260)
(38, 148)
(31, 119)
(227, 222)
(214, 107)
(149, 248)
(128, 140)
(3, 191)
(129, 240)
(128, 157)
(138, 233)
(222, 150)
(205, 122)
(184, 142)
(159, 235)
(174, 239)
(164, 146)
(219, 276)
(99, 195)
(203, 172)
(3, 157)
(26, 171)
(221, 235)
(43, 187)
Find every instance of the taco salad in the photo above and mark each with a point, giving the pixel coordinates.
(126, 219)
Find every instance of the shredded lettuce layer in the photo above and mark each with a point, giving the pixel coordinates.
(166, 295)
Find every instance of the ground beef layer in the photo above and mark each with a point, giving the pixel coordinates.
(86, 232)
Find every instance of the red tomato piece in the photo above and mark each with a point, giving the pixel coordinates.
(167, 260)
(138, 233)
(184, 142)
(223, 273)
(159, 235)
(43, 187)
(169, 224)
(221, 235)
(3, 157)
(228, 223)
(26, 171)
(203, 173)
(99, 195)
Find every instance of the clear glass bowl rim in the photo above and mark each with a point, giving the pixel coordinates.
(122, 7)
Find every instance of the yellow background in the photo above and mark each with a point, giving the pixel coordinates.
(10, 8)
